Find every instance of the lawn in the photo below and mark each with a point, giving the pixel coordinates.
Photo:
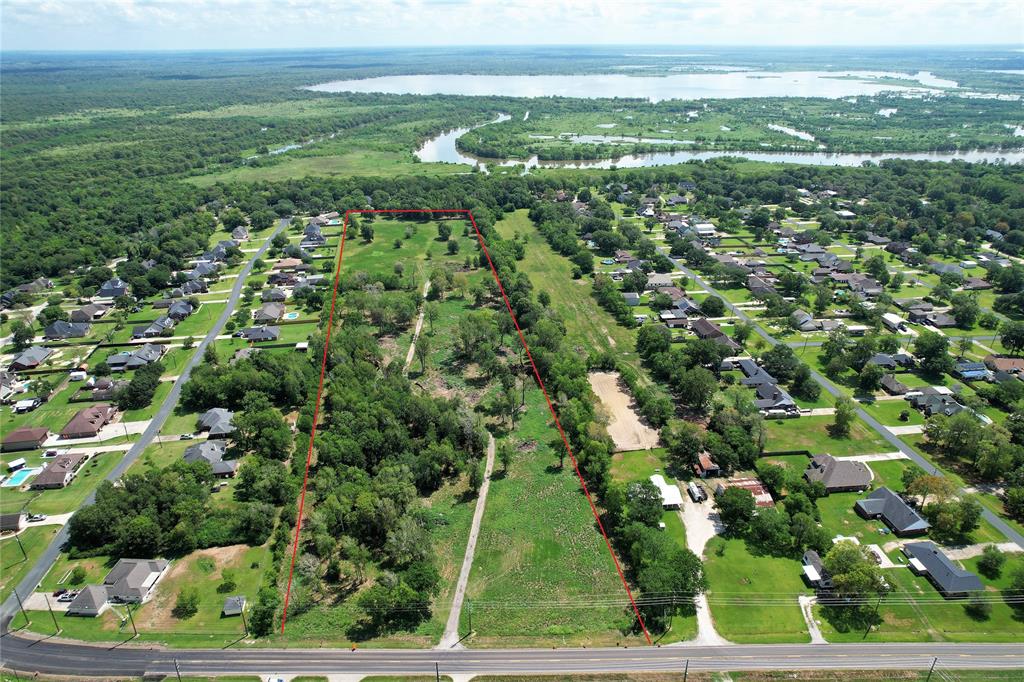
(14, 565)
(737, 579)
(379, 256)
(539, 560)
(162, 391)
(811, 434)
(887, 412)
(54, 414)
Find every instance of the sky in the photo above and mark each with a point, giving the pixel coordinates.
(263, 24)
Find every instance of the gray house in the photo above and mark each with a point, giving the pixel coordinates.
(217, 422)
(212, 452)
(886, 505)
(948, 578)
(30, 358)
(132, 580)
(268, 333)
(838, 475)
(59, 329)
(145, 354)
(90, 602)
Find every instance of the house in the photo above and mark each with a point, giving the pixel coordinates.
(656, 279)
(886, 505)
(275, 294)
(233, 606)
(179, 310)
(675, 200)
(976, 284)
(10, 386)
(705, 329)
(970, 371)
(932, 401)
(104, 389)
(90, 602)
(30, 358)
(948, 578)
(190, 288)
(945, 268)
(893, 386)
(706, 466)
(12, 523)
(673, 292)
(240, 233)
(131, 581)
(269, 312)
(113, 288)
(631, 298)
(140, 357)
(993, 235)
(802, 320)
(838, 475)
(25, 438)
(623, 256)
(762, 498)
(59, 472)
(883, 360)
(269, 333)
(759, 287)
(217, 422)
(1004, 363)
(212, 452)
(286, 264)
(282, 278)
(671, 498)
(87, 422)
(814, 571)
(772, 399)
(155, 328)
(877, 240)
(940, 320)
(705, 230)
(843, 214)
(674, 319)
(893, 322)
(89, 313)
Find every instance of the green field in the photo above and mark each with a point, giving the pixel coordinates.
(62, 500)
(13, 564)
(811, 434)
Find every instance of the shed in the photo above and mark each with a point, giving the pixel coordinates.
(233, 606)
(671, 498)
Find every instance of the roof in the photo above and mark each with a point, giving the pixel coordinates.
(31, 357)
(892, 384)
(26, 435)
(88, 420)
(132, 579)
(670, 494)
(59, 329)
(706, 328)
(270, 333)
(705, 462)
(89, 602)
(217, 421)
(56, 472)
(11, 521)
(896, 513)
(1004, 363)
(836, 473)
(947, 575)
(211, 452)
(233, 605)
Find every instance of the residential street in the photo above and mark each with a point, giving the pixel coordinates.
(46, 559)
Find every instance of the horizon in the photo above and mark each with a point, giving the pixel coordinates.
(166, 25)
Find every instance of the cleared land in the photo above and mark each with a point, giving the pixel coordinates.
(626, 428)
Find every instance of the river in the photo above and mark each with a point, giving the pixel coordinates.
(442, 148)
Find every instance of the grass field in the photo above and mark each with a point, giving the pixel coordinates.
(14, 565)
(62, 500)
(538, 544)
(734, 574)
(811, 433)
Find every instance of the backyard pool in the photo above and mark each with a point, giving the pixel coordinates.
(19, 477)
(291, 316)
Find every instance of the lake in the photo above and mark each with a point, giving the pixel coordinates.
(830, 84)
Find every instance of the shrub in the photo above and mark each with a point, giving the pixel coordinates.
(187, 604)
(78, 575)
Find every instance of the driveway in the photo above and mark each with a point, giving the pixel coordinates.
(702, 523)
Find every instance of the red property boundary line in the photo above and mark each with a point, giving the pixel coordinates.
(536, 374)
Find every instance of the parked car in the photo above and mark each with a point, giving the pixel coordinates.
(57, 593)
(185, 436)
(36, 517)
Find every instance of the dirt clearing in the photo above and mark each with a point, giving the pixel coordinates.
(625, 426)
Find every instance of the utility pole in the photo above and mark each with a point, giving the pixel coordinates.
(470, 619)
(132, 620)
(22, 607)
(437, 672)
(932, 669)
(50, 609)
(686, 670)
(20, 546)
(244, 623)
(177, 671)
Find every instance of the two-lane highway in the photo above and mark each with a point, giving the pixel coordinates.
(47, 656)
(42, 565)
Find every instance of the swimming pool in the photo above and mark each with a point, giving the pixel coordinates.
(19, 477)
(291, 316)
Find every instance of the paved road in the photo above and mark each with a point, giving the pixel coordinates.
(78, 660)
(898, 444)
(32, 578)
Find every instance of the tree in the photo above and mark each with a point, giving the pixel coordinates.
(684, 441)
(696, 387)
(366, 231)
(1012, 336)
(712, 306)
(423, 352)
(780, 362)
(78, 575)
(965, 310)
(843, 418)
(870, 378)
(262, 616)
(769, 532)
(138, 536)
(433, 311)
(444, 231)
(932, 349)
(476, 477)
(855, 576)
(506, 453)
(21, 335)
(643, 500)
(453, 247)
(991, 562)
(736, 509)
(931, 486)
(187, 604)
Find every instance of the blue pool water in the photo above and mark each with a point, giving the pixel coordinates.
(291, 316)
(19, 477)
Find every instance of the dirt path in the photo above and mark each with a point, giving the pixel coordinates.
(450, 638)
(416, 331)
(625, 427)
(812, 625)
(702, 523)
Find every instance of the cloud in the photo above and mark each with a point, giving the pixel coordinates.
(211, 24)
